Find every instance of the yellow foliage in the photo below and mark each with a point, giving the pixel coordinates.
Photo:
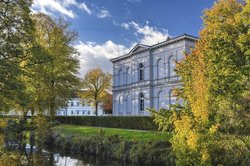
(192, 139)
(183, 125)
(214, 128)
(204, 155)
(3, 123)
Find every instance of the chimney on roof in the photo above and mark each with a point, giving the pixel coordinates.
(168, 38)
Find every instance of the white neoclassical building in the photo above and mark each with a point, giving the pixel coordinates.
(145, 77)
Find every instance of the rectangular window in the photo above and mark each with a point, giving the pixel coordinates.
(77, 104)
(141, 75)
(77, 112)
(142, 105)
(71, 112)
(72, 103)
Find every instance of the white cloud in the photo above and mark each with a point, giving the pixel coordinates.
(116, 23)
(103, 13)
(51, 5)
(98, 55)
(69, 2)
(125, 26)
(62, 6)
(84, 7)
(149, 35)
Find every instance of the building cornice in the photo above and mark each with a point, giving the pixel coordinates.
(155, 46)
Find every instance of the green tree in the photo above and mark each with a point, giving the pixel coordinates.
(215, 79)
(50, 71)
(15, 36)
(95, 84)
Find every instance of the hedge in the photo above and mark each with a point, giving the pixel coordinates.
(123, 122)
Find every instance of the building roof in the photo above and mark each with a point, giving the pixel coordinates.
(141, 47)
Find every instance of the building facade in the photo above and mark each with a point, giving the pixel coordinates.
(145, 77)
(77, 107)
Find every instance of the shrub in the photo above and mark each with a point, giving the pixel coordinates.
(133, 122)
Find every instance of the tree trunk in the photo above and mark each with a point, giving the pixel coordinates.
(96, 108)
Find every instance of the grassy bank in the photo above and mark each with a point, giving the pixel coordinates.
(125, 134)
(124, 145)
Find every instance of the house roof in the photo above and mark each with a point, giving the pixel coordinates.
(141, 47)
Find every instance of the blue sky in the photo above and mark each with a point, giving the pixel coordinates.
(110, 28)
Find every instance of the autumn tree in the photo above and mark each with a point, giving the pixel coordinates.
(107, 103)
(95, 84)
(215, 86)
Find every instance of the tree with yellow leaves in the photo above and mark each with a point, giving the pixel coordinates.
(95, 84)
(211, 127)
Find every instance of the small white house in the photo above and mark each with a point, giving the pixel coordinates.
(77, 107)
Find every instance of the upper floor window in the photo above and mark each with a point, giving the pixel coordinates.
(72, 103)
(83, 103)
(141, 102)
(171, 66)
(128, 76)
(141, 72)
(120, 77)
(78, 104)
(160, 69)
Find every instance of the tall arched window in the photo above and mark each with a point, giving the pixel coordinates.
(141, 102)
(120, 77)
(161, 102)
(128, 76)
(160, 69)
(129, 104)
(172, 97)
(171, 66)
(141, 72)
(120, 104)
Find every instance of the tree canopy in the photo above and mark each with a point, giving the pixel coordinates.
(15, 35)
(50, 71)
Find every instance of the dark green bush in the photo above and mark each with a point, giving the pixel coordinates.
(132, 122)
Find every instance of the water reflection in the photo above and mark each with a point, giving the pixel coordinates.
(66, 161)
(14, 154)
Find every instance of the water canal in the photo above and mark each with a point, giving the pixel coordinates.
(15, 154)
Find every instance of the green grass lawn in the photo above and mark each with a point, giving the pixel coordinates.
(127, 134)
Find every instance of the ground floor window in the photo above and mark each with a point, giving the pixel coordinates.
(141, 100)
